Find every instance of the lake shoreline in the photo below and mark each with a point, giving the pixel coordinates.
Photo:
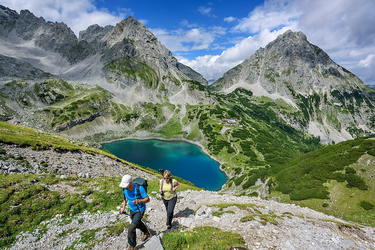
(167, 139)
(173, 140)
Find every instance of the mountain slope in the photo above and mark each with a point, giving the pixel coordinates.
(333, 103)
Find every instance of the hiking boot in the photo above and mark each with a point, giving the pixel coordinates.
(144, 236)
(169, 227)
(131, 248)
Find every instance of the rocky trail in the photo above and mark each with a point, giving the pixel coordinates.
(263, 224)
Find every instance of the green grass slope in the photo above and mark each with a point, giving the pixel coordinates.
(337, 179)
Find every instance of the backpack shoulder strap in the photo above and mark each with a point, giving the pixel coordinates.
(137, 191)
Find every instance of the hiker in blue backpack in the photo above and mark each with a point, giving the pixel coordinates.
(167, 188)
(135, 195)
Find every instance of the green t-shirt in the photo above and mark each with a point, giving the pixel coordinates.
(167, 189)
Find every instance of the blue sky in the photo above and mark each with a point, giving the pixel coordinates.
(214, 36)
(179, 16)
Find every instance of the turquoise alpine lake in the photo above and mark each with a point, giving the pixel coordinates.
(183, 159)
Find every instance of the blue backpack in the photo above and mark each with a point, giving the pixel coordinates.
(140, 182)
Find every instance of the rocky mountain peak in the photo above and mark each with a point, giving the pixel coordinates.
(130, 29)
(7, 19)
(291, 35)
(294, 48)
(6, 12)
(132, 20)
(94, 33)
(28, 14)
(51, 36)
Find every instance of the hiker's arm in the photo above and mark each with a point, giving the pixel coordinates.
(176, 186)
(144, 200)
(123, 205)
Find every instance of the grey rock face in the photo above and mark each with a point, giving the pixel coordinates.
(129, 32)
(294, 46)
(56, 37)
(94, 33)
(153, 244)
(13, 68)
(7, 20)
(191, 73)
(27, 24)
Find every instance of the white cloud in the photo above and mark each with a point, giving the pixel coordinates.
(367, 61)
(77, 14)
(204, 10)
(230, 19)
(185, 23)
(269, 16)
(343, 28)
(339, 22)
(143, 21)
(206, 64)
(188, 39)
(249, 45)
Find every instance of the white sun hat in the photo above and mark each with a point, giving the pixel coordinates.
(126, 179)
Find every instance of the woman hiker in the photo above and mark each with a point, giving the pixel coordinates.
(136, 197)
(167, 188)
